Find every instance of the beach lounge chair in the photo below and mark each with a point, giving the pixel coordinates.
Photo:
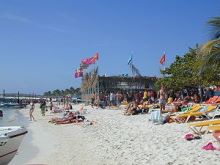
(214, 127)
(202, 112)
(191, 107)
(197, 127)
(195, 108)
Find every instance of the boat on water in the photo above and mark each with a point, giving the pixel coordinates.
(10, 140)
(12, 105)
(1, 113)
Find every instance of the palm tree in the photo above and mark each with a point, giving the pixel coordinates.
(215, 23)
(210, 52)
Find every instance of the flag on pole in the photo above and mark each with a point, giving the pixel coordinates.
(78, 73)
(163, 59)
(94, 58)
(130, 60)
(91, 60)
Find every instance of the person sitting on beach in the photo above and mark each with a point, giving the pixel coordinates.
(180, 103)
(144, 106)
(57, 110)
(196, 98)
(132, 108)
(169, 100)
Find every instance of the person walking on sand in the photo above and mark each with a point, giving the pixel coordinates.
(43, 107)
(31, 111)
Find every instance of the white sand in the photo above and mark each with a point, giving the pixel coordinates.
(115, 139)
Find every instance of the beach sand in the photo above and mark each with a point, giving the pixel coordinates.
(114, 139)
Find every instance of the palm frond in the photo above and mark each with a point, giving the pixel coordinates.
(215, 23)
(209, 47)
(210, 55)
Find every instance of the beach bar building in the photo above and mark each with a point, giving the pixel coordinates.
(92, 83)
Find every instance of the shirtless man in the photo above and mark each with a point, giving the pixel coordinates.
(162, 98)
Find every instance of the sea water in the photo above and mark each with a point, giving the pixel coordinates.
(11, 117)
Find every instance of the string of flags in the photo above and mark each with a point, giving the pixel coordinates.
(85, 63)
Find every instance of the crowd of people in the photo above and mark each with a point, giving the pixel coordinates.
(139, 101)
(69, 115)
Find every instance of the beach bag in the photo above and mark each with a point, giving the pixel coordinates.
(189, 136)
(156, 116)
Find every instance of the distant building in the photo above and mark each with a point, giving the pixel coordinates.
(126, 84)
(95, 84)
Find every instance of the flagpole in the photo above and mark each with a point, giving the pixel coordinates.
(98, 75)
(164, 60)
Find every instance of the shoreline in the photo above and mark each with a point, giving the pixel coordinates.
(114, 139)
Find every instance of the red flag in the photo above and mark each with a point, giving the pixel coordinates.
(94, 58)
(163, 59)
(91, 60)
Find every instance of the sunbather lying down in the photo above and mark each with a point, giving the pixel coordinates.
(70, 117)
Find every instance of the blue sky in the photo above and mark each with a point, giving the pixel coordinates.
(42, 42)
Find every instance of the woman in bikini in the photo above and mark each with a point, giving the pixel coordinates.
(31, 111)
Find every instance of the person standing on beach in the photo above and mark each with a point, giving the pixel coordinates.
(162, 98)
(51, 104)
(43, 107)
(31, 111)
(93, 100)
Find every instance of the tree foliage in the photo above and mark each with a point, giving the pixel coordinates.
(56, 93)
(182, 72)
(200, 66)
(210, 54)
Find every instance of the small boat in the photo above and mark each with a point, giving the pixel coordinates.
(12, 105)
(2, 104)
(1, 113)
(10, 140)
